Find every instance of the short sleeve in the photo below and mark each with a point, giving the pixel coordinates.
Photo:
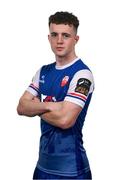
(33, 88)
(82, 84)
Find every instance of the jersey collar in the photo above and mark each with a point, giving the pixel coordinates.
(67, 65)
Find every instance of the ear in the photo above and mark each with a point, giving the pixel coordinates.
(49, 38)
(76, 38)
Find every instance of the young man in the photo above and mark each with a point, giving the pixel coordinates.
(60, 94)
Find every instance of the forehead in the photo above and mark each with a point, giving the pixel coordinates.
(60, 28)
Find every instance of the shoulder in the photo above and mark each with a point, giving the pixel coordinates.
(81, 65)
(83, 70)
(83, 75)
(48, 66)
(86, 73)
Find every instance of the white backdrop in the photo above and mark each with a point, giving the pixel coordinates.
(24, 48)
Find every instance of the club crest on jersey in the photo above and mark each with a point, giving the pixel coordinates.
(64, 81)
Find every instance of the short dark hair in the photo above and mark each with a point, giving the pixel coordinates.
(64, 18)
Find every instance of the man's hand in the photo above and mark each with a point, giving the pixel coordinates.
(29, 105)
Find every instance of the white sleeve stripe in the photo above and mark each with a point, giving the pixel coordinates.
(76, 98)
(81, 96)
(34, 87)
(73, 100)
(32, 91)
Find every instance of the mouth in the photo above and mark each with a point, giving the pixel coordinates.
(60, 48)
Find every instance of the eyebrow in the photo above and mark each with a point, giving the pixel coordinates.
(53, 33)
(63, 33)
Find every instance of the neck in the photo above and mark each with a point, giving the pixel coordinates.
(61, 61)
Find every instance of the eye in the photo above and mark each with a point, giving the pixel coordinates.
(66, 35)
(53, 34)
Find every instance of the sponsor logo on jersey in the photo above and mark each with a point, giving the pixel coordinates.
(42, 79)
(83, 86)
(64, 81)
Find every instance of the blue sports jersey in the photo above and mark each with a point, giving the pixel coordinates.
(61, 151)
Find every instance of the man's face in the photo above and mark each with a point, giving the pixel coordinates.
(62, 39)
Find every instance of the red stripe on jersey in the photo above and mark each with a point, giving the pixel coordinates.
(78, 95)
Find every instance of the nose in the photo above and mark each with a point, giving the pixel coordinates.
(60, 39)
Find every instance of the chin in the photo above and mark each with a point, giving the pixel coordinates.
(60, 54)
